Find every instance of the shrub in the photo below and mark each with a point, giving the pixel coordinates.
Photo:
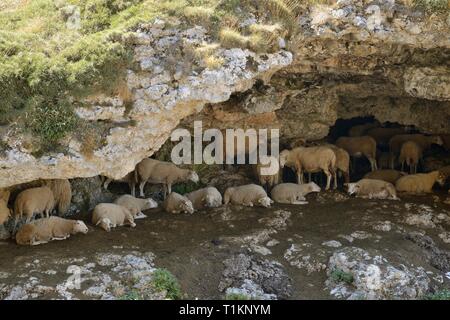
(338, 275)
(439, 295)
(164, 280)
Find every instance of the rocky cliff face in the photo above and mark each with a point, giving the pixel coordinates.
(357, 58)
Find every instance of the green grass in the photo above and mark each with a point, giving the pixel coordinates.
(164, 280)
(432, 6)
(338, 275)
(439, 295)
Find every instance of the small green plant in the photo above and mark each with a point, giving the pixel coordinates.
(237, 296)
(164, 280)
(439, 295)
(231, 38)
(132, 295)
(341, 276)
(432, 6)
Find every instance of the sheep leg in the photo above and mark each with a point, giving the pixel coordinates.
(335, 180)
(299, 176)
(133, 189)
(141, 188)
(106, 183)
(169, 188)
(328, 174)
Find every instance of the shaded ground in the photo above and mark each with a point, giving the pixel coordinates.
(201, 250)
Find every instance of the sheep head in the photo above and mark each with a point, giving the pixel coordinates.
(265, 202)
(150, 204)
(352, 188)
(437, 140)
(211, 202)
(105, 224)
(186, 206)
(193, 176)
(284, 157)
(80, 227)
(313, 187)
(441, 178)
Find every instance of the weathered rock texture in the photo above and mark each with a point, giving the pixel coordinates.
(356, 58)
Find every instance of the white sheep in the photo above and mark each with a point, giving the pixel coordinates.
(33, 201)
(208, 197)
(160, 172)
(360, 146)
(5, 212)
(130, 179)
(248, 195)
(410, 153)
(47, 229)
(420, 182)
(388, 175)
(372, 189)
(136, 205)
(310, 159)
(293, 193)
(111, 215)
(176, 203)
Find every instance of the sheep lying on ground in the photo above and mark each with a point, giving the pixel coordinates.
(166, 173)
(136, 205)
(130, 178)
(360, 146)
(293, 193)
(361, 129)
(33, 201)
(372, 189)
(5, 212)
(420, 182)
(111, 215)
(383, 135)
(388, 175)
(268, 181)
(310, 159)
(410, 153)
(208, 197)
(248, 195)
(62, 192)
(176, 203)
(47, 229)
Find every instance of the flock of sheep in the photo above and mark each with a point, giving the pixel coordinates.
(327, 158)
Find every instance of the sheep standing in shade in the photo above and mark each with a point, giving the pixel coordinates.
(160, 172)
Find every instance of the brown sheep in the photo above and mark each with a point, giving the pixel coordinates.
(166, 173)
(310, 159)
(110, 215)
(33, 201)
(47, 229)
(388, 175)
(62, 192)
(410, 153)
(361, 129)
(420, 182)
(130, 178)
(383, 135)
(176, 203)
(247, 195)
(342, 162)
(424, 142)
(5, 212)
(360, 146)
(372, 189)
(268, 181)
